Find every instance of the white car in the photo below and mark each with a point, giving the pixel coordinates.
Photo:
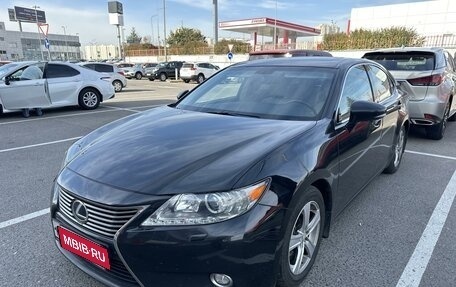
(118, 79)
(197, 71)
(51, 84)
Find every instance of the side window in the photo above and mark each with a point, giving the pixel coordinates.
(356, 88)
(31, 72)
(381, 85)
(60, 71)
(90, 66)
(171, 65)
(103, 68)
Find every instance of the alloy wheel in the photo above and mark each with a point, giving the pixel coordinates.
(90, 99)
(304, 238)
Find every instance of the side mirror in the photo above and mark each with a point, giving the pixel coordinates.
(7, 81)
(366, 111)
(182, 94)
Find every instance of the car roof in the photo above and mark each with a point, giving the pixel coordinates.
(408, 49)
(285, 51)
(324, 62)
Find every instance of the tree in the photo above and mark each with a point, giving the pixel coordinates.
(366, 39)
(184, 36)
(133, 38)
(239, 47)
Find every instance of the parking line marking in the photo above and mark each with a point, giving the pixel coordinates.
(37, 145)
(122, 109)
(416, 266)
(431, 154)
(24, 218)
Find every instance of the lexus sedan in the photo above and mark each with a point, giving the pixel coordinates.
(237, 182)
(51, 84)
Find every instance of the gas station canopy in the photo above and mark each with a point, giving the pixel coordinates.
(266, 26)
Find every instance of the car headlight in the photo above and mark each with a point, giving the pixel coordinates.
(196, 209)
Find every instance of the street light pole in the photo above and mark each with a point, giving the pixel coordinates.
(164, 30)
(66, 44)
(39, 33)
(152, 27)
(275, 25)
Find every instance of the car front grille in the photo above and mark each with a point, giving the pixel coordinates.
(102, 219)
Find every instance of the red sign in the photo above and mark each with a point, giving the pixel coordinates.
(85, 248)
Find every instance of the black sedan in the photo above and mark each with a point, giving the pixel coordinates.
(237, 182)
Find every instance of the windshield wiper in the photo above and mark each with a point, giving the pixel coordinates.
(234, 114)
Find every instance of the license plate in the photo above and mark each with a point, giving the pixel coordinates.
(85, 248)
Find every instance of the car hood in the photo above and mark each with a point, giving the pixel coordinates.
(170, 151)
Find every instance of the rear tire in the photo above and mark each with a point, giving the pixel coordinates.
(186, 81)
(117, 86)
(436, 132)
(89, 99)
(163, 77)
(305, 221)
(398, 151)
(138, 76)
(151, 79)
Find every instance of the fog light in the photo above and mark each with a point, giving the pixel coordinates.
(221, 280)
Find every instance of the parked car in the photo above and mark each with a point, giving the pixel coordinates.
(165, 70)
(197, 71)
(124, 65)
(136, 72)
(428, 76)
(117, 75)
(284, 53)
(51, 84)
(4, 63)
(237, 182)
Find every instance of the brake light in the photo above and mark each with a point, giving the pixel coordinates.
(193, 68)
(121, 73)
(433, 80)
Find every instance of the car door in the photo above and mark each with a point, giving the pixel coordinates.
(359, 142)
(385, 94)
(451, 71)
(25, 88)
(64, 83)
(171, 70)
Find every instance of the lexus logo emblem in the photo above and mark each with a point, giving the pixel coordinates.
(80, 211)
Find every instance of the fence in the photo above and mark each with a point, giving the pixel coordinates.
(444, 41)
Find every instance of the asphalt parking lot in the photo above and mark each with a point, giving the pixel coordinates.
(398, 232)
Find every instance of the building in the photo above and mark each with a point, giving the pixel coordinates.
(327, 29)
(101, 52)
(432, 19)
(19, 46)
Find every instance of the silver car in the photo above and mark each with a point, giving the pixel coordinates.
(117, 75)
(137, 72)
(428, 76)
(36, 84)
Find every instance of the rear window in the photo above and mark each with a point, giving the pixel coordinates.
(404, 61)
(104, 68)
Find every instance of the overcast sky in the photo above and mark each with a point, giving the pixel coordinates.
(89, 18)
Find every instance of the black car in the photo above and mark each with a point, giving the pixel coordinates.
(165, 70)
(236, 183)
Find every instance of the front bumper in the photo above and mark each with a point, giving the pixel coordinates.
(245, 248)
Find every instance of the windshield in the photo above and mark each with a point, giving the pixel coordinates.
(5, 69)
(291, 93)
(404, 61)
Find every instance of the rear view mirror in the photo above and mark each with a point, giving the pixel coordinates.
(182, 94)
(366, 111)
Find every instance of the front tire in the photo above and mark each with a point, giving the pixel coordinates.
(187, 81)
(398, 150)
(200, 78)
(303, 233)
(138, 76)
(89, 99)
